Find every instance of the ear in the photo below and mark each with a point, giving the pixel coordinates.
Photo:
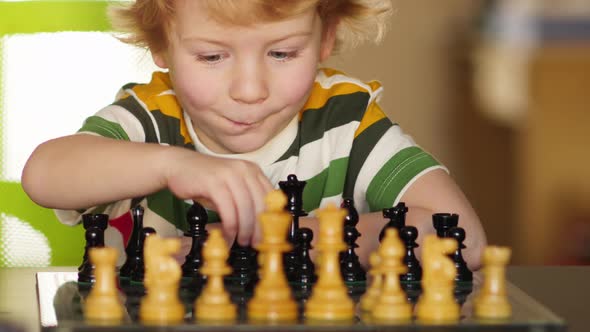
(160, 59)
(328, 39)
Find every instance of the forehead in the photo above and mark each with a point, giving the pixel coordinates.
(244, 12)
(196, 17)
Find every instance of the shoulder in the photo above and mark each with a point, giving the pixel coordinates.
(333, 83)
(147, 95)
(338, 99)
(147, 112)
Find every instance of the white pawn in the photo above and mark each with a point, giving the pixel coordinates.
(214, 302)
(492, 301)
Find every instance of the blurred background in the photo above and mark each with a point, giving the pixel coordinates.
(497, 90)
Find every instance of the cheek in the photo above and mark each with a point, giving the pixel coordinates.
(294, 90)
(195, 90)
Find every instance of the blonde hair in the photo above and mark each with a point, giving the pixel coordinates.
(145, 23)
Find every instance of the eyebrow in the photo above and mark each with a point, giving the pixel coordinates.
(221, 43)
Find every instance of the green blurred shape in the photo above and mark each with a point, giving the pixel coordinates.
(66, 242)
(52, 16)
(21, 17)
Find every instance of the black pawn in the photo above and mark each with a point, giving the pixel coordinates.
(306, 272)
(442, 222)
(350, 267)
(133, 249)
(244, 263)
(396, 216)
(95, 225)
(139, 272)
(409, 234)
(304, 276)
(463, 272)
(197, 219)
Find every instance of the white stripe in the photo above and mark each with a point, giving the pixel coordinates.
(393, 141)
(156, 128)
(315, 156)
(326, 82)
(126, 119)
(167, 92)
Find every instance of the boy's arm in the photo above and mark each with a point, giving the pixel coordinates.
(433, 192)
(436, 192)
(80, 171)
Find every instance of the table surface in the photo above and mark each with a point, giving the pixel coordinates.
(564, 290)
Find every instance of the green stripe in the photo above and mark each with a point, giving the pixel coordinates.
(395, 175)
(103, 127)
(167, 206)
(293, 149)
(338, 111)
(53, 16)
(129, 103)
(361, 148)
(169, 128)
(329, 182)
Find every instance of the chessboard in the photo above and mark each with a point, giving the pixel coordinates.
(276, 286)
(61, 300)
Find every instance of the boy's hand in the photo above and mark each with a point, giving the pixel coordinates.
(234, 188)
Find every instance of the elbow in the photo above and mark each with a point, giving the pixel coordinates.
(32, 179)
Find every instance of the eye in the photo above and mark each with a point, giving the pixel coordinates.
(210, 58)
(283, 55)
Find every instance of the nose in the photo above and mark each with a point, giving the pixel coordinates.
(249, 83)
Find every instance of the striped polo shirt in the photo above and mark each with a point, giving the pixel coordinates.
(341, 143)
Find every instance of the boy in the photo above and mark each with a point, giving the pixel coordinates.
(241, 106)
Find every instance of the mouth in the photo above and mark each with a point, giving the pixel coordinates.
(244, 124)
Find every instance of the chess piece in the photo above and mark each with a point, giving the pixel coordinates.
(350, 266)
(134, 248)
(437, 303)
(442, 222)
(95, 226)
(243, 261)
(463, 272)
(161, 305)
(396, 216)
(293, 188)
(392, 303)
(305, 274)
(137, 274)
(103, 304)
(367, 301)
(329, 299)
(197, 218)
(272, 300)
(214, 301)
(409, 234)
(492, 301)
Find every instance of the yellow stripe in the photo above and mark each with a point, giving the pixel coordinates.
(320, 96)
(150, 94)
(331, 72)
(373, 114)
(168, 105)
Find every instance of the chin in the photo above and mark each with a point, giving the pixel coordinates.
(245, 145)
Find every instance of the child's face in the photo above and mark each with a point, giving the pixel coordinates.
(242, 85)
